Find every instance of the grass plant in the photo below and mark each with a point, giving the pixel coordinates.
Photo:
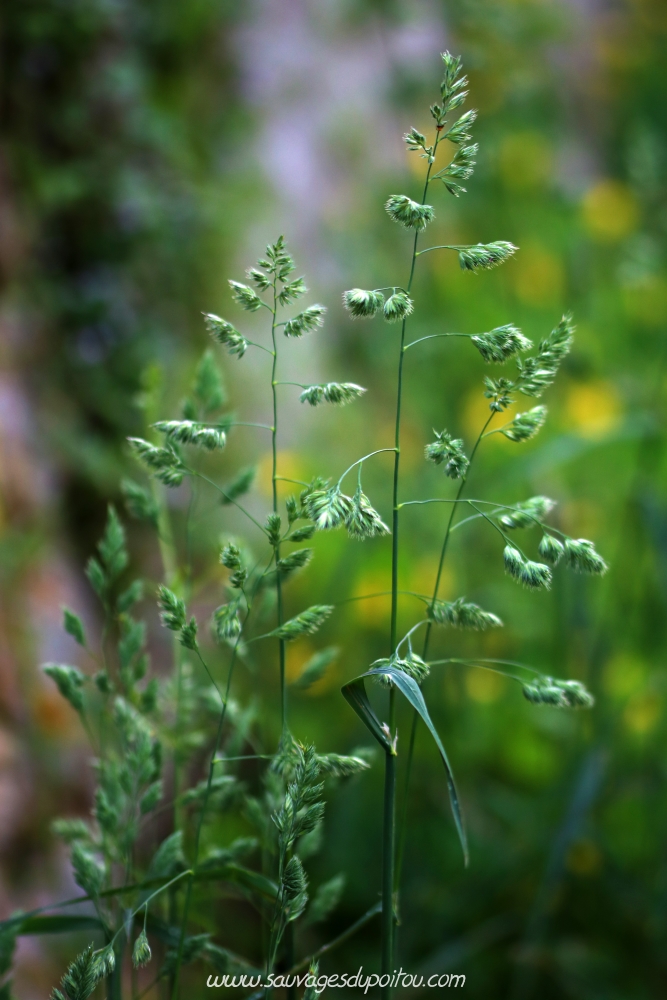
(177, 742)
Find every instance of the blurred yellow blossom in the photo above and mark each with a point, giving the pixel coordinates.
(609, 211)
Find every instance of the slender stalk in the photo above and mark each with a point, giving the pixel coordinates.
(330, 945)
(389, 816)
(388, 851)
(274, 484)
(200, 824)
(427, 636)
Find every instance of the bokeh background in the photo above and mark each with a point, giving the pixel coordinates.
(149, 150)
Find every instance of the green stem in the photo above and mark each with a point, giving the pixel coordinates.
(389, 818)
(274, 483)
(360, 461)
(388, 851)
(330, 945)
(200, 824)
(436, 336)
(229, 499)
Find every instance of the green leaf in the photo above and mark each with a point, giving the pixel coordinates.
(355, 694)
(58, 924)
(238, 875)
(7, 944)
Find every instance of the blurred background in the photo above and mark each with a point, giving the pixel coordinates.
(149, 150)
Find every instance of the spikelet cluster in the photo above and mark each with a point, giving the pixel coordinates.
(226, 334)
(484, 256)
(408, 213)
(306, 623)
(534, 575)
(559, 694)
(501, 343)
(527, 513)
(339, 393)
(331, 508)
(526, 425)
(412, 665)
(462, 614)
(448, 451)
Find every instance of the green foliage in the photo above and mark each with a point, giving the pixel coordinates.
(196, 709)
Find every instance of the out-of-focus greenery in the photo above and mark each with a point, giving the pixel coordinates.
(150, 148)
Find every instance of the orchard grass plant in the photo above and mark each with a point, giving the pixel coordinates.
(169, 745)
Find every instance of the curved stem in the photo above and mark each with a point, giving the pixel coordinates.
(200, 475)
(482, 661)
(284, 479)
(360, 460)
(443, 246)
(381, 593)
(435, 336)
(409, 633)
(247, 423)
(260, 346)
